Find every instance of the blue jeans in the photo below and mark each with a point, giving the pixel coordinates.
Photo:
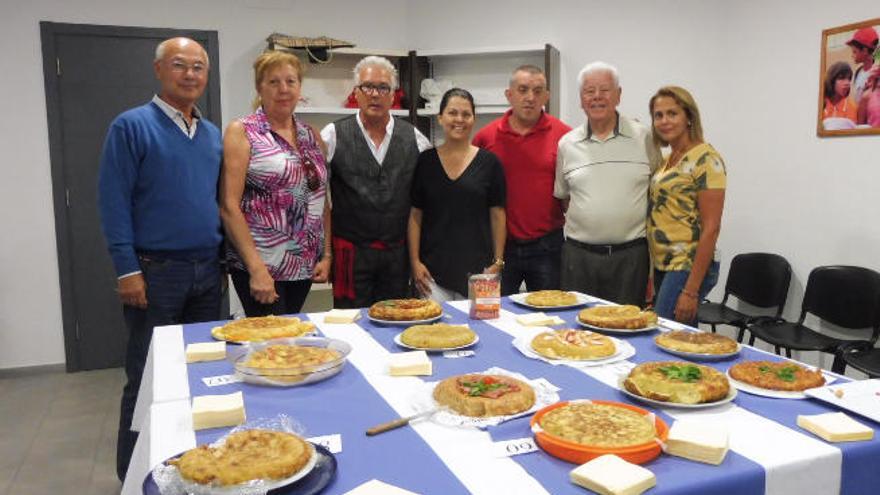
(668, 286)
(536, 262)
(178, 291)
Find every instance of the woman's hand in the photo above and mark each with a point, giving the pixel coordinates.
(263, 286)
(422, 277)
(686, 307)
(322, 270)
(492, 269)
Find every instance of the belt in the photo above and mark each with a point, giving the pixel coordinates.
(526, 242)
(384, 246)
(607, 249)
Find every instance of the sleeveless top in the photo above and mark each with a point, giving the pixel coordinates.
(283, 199)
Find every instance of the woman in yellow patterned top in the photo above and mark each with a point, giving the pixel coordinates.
(686, 198)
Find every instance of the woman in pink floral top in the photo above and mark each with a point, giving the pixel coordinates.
(273, 187)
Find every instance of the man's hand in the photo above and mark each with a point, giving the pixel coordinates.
(133, 290)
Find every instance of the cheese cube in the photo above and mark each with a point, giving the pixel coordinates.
(535, 319)
(205, 351)
(697, 441)
(376, 487)
(835, 427)
(611, 475)
(342, 316)
(410, 364)
(215, 411)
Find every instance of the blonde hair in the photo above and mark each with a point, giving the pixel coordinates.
(686, 101)
(271, 60)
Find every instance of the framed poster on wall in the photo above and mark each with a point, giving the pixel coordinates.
(849, 80)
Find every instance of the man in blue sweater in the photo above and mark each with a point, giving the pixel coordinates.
(157, 194)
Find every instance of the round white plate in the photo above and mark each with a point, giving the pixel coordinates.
(622, 350)
(521, 300)
(434, 349)
(617, 331)
(699, 356)
(402, 323)
(705, 405)
(774, 394)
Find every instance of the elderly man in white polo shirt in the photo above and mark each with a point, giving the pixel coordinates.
(602, 173)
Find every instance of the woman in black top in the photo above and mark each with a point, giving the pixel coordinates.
(457, 221)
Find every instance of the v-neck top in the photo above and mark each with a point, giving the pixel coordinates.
(284, 215)
(674, 221)
(456, 237)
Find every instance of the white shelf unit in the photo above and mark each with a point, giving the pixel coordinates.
(485, 72)
(327, 86)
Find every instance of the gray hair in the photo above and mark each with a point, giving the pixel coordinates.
(163, 46)
(375, 61)
(596, 67)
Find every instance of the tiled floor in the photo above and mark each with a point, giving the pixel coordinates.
(58, 430)
(58, 433)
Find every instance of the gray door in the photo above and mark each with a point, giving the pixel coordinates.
(92, 74)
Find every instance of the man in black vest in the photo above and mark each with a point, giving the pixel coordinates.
(372, 158)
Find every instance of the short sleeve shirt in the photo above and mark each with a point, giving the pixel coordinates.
(456, 236)
(674, 223)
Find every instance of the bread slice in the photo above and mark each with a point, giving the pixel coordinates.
(835, 427)
(698, 441)
(611, 475)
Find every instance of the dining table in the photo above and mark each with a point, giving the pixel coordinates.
(769, 453)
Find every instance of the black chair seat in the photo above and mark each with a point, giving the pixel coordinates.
(790, 335)
(760, 279)
(863, 357)
(719, 314)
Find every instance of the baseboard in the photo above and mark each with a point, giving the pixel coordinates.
(32, 370)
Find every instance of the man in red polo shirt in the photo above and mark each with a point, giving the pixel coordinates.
(525, 140)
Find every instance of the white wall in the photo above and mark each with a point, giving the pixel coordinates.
(30, 306)
(752, 65)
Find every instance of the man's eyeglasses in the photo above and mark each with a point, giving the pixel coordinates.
(198, 68)
(375, 89)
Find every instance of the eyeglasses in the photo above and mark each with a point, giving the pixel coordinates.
(198, 68)
(591, 92)
(375, 89)
(313, 180)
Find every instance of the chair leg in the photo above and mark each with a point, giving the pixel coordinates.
(752, 339)
(741, 334)
(839, 365)
(713, 328)
(776, 349)
(788, 352)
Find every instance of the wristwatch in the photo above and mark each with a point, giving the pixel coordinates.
(499, 262)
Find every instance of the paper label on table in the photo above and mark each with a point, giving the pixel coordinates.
(214, 381)
(458, 354)
(546, 385)
(333, 442)
(514, 447)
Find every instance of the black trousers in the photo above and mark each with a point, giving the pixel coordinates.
(291, 295)
(379, 274)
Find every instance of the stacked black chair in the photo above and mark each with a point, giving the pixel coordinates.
(846, 296)
(760, 279)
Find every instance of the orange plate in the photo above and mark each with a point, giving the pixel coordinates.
(579, 453)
